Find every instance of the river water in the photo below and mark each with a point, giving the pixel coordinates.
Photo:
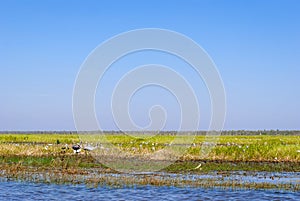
(17, 190)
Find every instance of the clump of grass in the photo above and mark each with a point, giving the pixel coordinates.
(94, 179)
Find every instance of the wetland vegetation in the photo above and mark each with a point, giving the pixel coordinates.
(48, 157)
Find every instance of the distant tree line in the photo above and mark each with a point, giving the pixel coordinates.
(225, 132)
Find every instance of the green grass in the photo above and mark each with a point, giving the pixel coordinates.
(231, 151)
(38, 138)
(23, 156)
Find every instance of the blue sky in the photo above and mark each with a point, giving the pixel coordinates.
(254, 44)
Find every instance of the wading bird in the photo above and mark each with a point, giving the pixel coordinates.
(89, 148)
(76, 148)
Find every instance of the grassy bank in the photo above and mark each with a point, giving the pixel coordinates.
(24, 156)
(255, 152)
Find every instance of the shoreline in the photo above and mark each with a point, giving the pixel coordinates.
(41, 158)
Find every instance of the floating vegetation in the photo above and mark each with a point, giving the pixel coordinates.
(96, 177)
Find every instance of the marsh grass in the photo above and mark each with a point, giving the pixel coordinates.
(256, 148)
(26, 155)
(95, 178)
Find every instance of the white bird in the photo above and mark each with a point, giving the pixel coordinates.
(89, 148)
(198, 166)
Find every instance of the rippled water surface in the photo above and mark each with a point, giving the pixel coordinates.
(12, 190)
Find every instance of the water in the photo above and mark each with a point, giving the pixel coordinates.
(14, 190)
(244, 176)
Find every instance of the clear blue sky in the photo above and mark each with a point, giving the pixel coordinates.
(255, 45)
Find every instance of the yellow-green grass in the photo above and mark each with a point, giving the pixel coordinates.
(24, 156)
(228, 148)
(259, 152)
